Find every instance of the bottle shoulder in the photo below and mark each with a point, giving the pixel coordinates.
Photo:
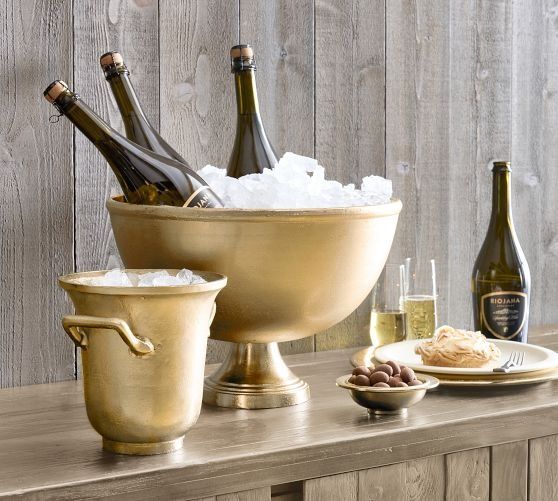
(501, 250)
(252, 152)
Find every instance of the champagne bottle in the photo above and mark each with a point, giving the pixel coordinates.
(252, 151)
(137, 126)
(501, 279)
(145, 177)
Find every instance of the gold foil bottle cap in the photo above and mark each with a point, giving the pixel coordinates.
(111, 58)
(53, 91)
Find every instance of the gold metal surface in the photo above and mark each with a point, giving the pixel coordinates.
(143, 354)
(510, 379)
(73, 325)
(291, 273)
(254, 376)
(388, 400)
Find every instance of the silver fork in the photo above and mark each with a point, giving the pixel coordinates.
(515, 360)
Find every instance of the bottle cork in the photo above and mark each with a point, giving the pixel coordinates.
(53, 91)
(111, 58)
(243, 51)
(242, 58)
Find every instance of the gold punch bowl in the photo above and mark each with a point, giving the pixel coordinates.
(291, 273)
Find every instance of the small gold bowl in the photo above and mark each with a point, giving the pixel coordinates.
(388, 400)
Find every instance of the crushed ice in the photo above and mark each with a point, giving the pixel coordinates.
(161, 278)
(295, 182)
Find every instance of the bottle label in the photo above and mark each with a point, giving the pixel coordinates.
(201, 198)
(503, 314)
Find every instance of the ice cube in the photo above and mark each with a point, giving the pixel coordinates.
(133, 277)
(296, 182)
(148, 279)
(114, 278)
(163, 281)
(292, 159)
(196, 279)
(185, 276)
(120, 278)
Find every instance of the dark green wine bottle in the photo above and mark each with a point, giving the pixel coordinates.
(252, 151)
(145, 177)
(501, 281)
(136, 125)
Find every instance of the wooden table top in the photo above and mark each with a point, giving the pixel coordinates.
(47, 445)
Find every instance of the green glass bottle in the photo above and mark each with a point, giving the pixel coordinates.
(136, 125)
(501, 281)
(252, 151)
(145, 177)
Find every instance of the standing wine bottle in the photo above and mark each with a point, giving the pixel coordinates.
(145, 177)
(501, 279)
(137, 126)
(252, 151)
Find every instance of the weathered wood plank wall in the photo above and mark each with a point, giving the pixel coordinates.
(37, 193)
(428, 92)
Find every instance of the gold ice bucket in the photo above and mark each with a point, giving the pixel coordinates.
(292, 273)
(143, 354)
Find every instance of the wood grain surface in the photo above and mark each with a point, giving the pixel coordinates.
(282, 34)
(100, 26)
(447, 117)
(197, 99)
(509, 465)
(534, 147)
(543, 468)
(37, 185)
(349, 117)
(429, 92)
(426, 479)
(382, 484)
(47, 445)
(332, 488)
(468, 475)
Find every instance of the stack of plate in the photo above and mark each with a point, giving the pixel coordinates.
(539, 364)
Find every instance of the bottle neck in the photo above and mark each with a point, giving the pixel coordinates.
(246, 93)
(501, 199)
(85, 119)
(126, 97)
(110, 143)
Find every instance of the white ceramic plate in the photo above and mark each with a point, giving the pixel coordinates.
(536, 358)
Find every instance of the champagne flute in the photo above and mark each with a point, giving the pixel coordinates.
(387, 319)
(419, 298)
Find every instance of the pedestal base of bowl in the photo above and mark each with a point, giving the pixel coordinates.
(144, 449)
(254, 376)
(384, 412)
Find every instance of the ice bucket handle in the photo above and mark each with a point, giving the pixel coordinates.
(72, 325)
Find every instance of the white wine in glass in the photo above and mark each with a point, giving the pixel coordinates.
(387, 320)
(387, 327)
(419, 298)
(420, 311)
